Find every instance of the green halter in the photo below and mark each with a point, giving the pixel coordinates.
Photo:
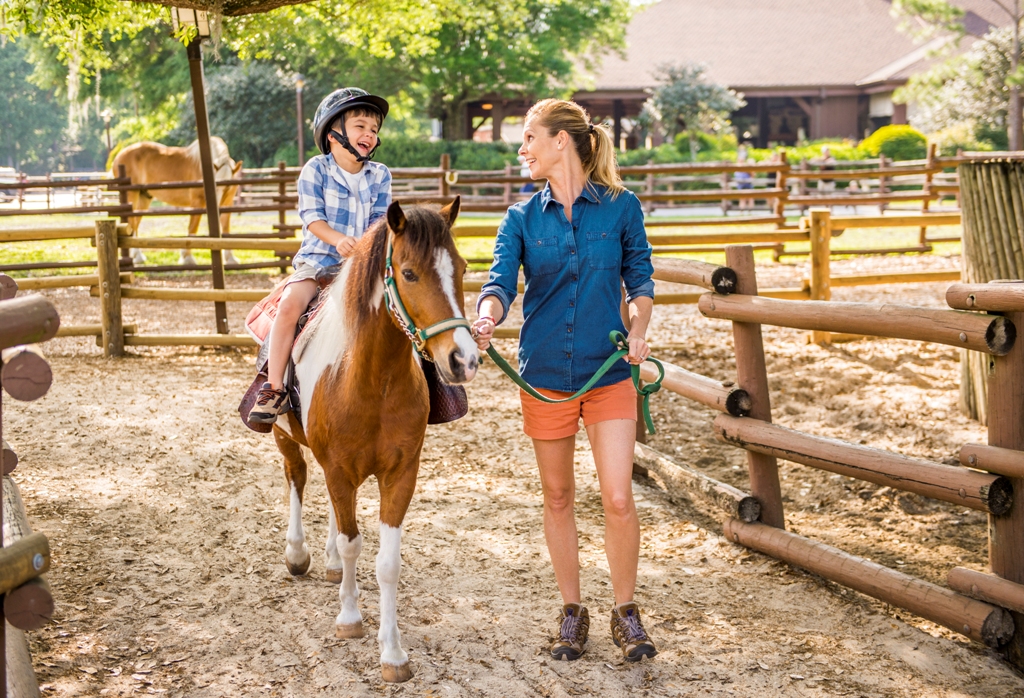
(405, 322)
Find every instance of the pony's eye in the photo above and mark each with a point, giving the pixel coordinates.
(409, 275)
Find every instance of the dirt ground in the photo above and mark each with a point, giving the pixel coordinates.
(167, 516)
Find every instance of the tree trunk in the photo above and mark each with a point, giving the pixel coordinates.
(992, 200)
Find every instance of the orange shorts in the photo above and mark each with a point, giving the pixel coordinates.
(549, 422)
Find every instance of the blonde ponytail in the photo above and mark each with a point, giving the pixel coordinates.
(592, 142)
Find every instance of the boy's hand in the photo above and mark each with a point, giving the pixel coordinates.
(345, 245)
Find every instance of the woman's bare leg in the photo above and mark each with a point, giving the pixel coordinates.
(555, 461)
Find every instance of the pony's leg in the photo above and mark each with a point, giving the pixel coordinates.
(138, 203)
(186, 255)
(395, 495)
(334, 570)
(225, 229)
(349, 623)
(296, 552)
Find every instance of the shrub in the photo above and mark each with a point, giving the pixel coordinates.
(898, 142)
(465, 155)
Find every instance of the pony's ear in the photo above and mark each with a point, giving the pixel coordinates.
(396, 218)
(451, 211)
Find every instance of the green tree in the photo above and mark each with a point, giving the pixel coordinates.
(998, 50)
(685, 100)
(32, 120)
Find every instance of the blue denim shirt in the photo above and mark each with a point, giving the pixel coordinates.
(574, 275)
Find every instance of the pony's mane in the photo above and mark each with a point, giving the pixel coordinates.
(218, 153)
(425, 231)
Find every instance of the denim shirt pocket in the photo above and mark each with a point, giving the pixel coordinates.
(604, 250)
(541, 256)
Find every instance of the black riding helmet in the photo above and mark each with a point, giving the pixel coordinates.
(332, 106)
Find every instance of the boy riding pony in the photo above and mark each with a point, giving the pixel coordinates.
(341, 194)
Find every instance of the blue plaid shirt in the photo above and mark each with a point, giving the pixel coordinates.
(324, 196)
(574, 273)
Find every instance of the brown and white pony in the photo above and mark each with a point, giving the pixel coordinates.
(365, 404)
(152, 163)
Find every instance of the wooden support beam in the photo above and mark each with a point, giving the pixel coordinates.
(740, 238)
(821, 282)
(206, 243)
(694, 485)
(25, 374)
(975, 619)
(724, 397)
(30, 605)
(109, 289)
(987, 587)
(1001, 297)
(948, 483)
(25, 559)
(67, 281)
(992, 335)
(910, 277)
(8, 459)
(90, 330)
(27, 320)
(752, 376)
(900, 221)
(1006, 430)
(1003, 461)
(689, 271)
(193, 340)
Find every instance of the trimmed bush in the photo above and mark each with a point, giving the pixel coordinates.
(465, 155)
(898, 142)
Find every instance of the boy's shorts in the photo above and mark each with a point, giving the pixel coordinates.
(548, 422)
(303, 271)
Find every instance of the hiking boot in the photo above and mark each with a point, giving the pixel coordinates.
(629, 634)
(572, 635)
(269, 404)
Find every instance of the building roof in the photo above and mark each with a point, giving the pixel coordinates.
(751, 44)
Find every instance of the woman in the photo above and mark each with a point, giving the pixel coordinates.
(578, 241)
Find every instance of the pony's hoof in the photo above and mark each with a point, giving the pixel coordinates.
(189, 261)
(333, 576)
(350, 631)
(299, 569)
(396, 673)
(138, 257)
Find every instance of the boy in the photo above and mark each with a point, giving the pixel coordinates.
(341, 194)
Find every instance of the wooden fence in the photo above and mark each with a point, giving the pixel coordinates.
(985, 607)
(24, 555)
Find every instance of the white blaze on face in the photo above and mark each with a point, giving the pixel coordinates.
(445, 268)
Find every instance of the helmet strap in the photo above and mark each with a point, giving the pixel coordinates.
(342, 139)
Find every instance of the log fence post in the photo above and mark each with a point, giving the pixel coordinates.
(752, 376)
(649, 189)
(821, 282)
(111, 321)
(927, 190)
(779, 206)
(122, 200)
(883, 181)
(446, 163)
(282, 216)
(1006, 430)
(507, 200)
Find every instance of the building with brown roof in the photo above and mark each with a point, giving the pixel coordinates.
(811, 68)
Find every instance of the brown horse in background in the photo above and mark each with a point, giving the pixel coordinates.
(152, 163)
(365, 402)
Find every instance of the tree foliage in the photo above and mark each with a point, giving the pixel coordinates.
(32, 119)
(686, 100)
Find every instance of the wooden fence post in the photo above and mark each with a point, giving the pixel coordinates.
(446, 164)
(508, 185)
(926, 202)
(282, 216)
(110, 287)
(122, 199)
(649, 189)
(780, 183)
(1006, 430)
(883, 181)
(821, 240)
(752, 376)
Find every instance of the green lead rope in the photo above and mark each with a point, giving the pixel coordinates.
(619, 341)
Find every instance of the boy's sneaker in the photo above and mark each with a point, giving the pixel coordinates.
(629, 634)
(572, 635)
(269, 404)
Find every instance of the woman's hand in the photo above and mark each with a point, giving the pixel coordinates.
(638, 350)
(483, 331)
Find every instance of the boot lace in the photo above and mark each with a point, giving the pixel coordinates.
(570, 627)
(630, 628)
